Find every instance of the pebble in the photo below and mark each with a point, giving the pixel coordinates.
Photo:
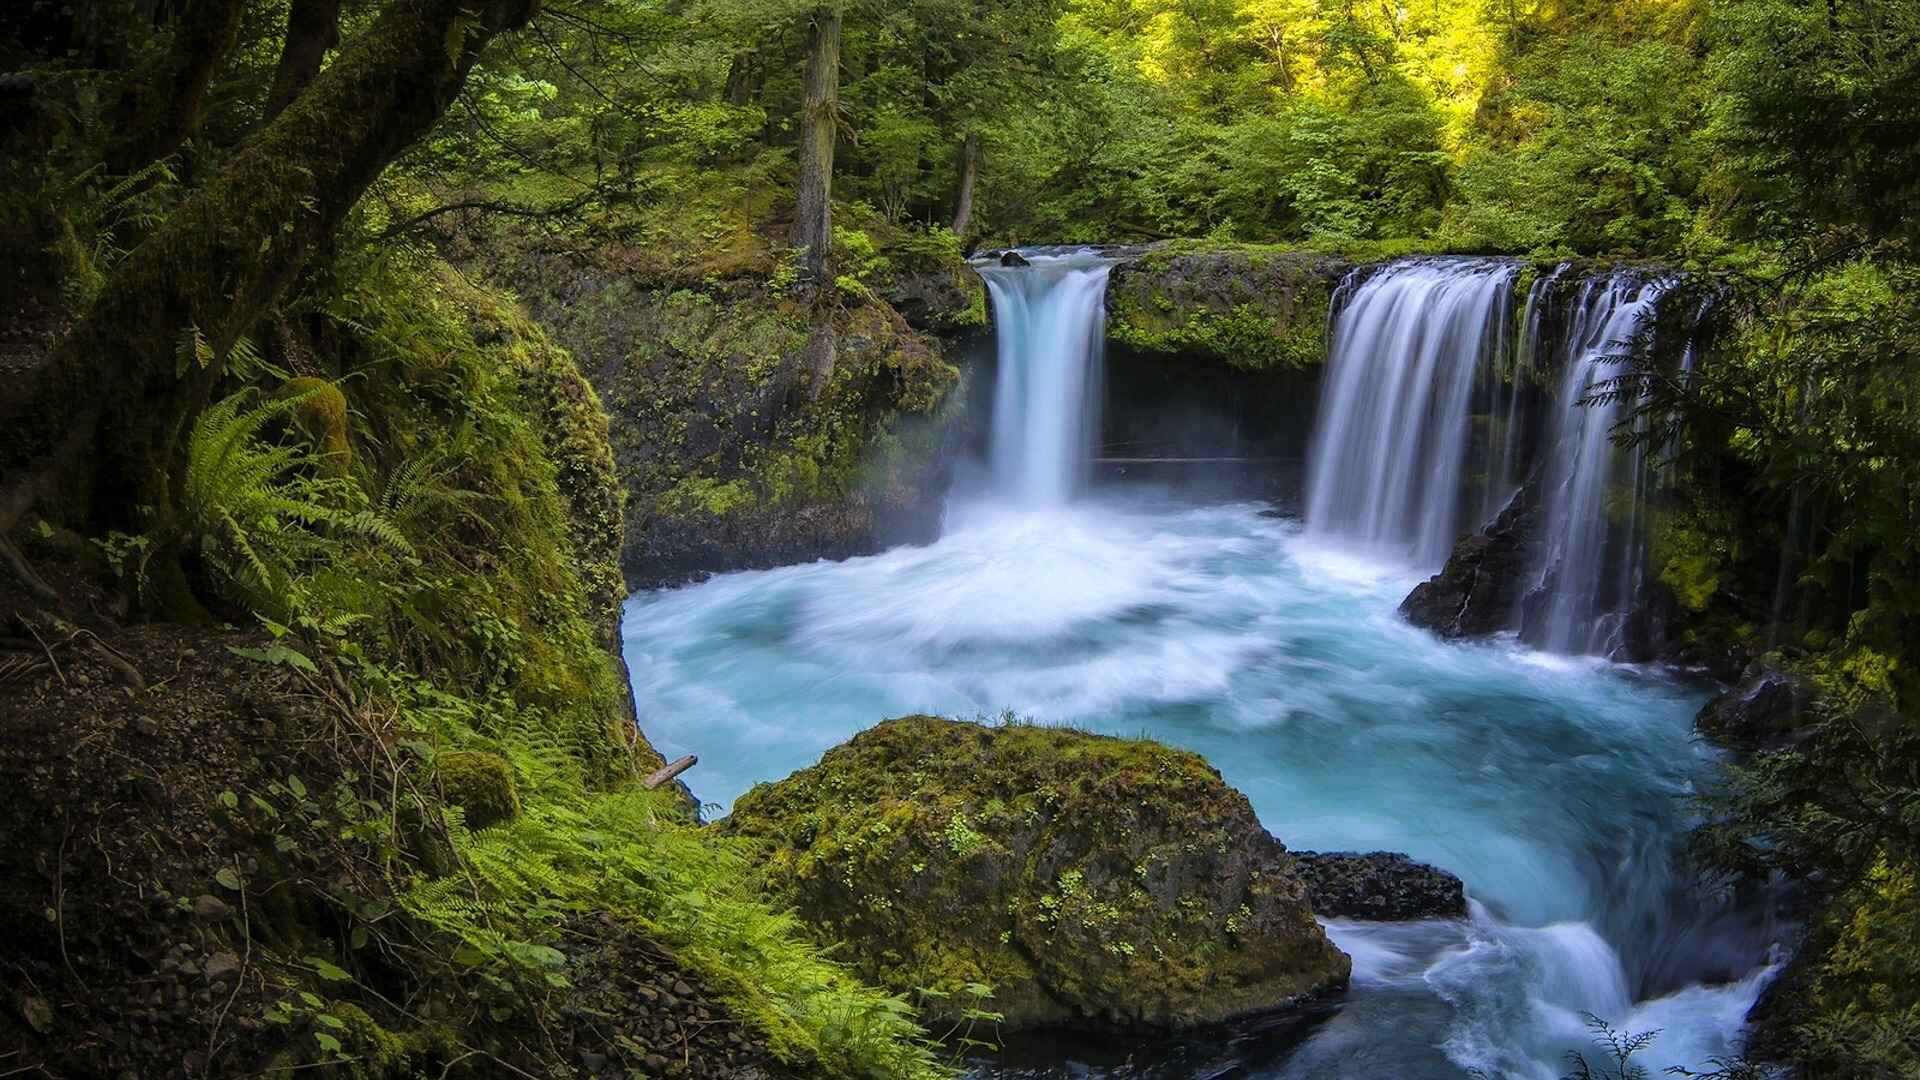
(221, 965)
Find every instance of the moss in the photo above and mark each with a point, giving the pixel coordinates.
(321, 416)
(1254, 308)
(1087, 880)
(705, 495)
(374, 1052)
(479, 782)
(1244, 337)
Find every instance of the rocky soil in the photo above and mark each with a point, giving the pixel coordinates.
(171, 913)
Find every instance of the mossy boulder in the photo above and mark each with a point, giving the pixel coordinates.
(1092, 882)
(1253, 307)
(481, 784)
(320, 412)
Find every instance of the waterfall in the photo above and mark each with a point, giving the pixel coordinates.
(1387, 462)
(1590, 566)
(1050, 323)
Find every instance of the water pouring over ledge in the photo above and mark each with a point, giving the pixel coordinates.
(1389, 451)
(1050, 327)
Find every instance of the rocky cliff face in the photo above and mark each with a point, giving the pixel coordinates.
(729, 457)
(1091, 882)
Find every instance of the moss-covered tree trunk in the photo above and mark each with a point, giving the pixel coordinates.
(969, 174)
(117, 394)
(313, 27)
(813, 220)
(159, 113)
(813, 211)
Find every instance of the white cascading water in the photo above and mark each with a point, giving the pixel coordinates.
(1390, 446)
(1586, 575)
(1050, 322)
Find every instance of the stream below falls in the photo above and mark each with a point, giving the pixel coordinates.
(1555, 786)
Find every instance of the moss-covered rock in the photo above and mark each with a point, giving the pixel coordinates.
(727, 455)
(1250, 306)
(481, 784)
(1092, 882)
(321, 414)
(728, 460)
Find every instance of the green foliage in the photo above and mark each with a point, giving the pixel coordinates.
(1865, 1001)
(1617, 1050)
(632, 852)
(260, 515)
(99, 217)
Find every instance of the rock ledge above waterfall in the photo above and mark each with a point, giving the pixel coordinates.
(1095, 883)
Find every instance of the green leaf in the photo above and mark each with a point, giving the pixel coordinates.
(299, 789)
(327, 1042)
(278, 655)
(329, 971)
(228, 878)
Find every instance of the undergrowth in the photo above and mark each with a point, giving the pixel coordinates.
(446, 574)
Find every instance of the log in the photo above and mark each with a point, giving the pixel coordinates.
(666, 773)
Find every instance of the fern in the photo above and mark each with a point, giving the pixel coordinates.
(258, 513)
(627, 852)
(100, 219)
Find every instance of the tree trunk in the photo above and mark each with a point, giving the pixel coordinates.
(812, 221)
(969, 172)
(157, 114)
(743, 77)
(116, 394)
(313, 27)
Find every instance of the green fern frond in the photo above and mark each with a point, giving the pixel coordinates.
(261, 512)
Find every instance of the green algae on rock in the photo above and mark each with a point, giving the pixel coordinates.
(1250, 306)
(1091, 882)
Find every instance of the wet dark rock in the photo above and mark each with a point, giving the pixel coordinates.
(945, 298)
(1381, 886)
(1764, 710)
(1013, 258)
(1484, 580)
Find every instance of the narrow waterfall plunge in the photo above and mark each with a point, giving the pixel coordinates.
(1591, 564)
(1050, 322)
